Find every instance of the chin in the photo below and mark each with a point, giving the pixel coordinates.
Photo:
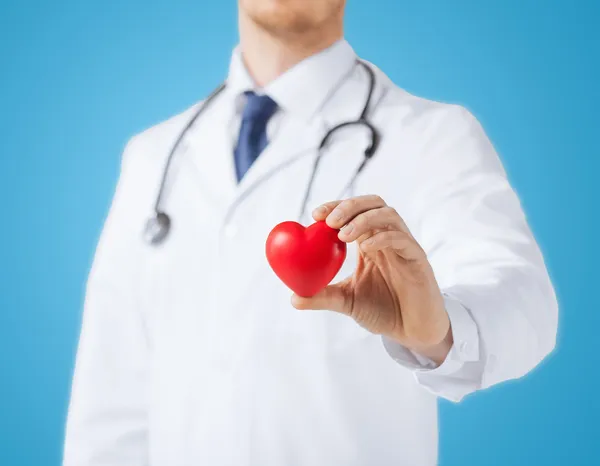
(291, 16)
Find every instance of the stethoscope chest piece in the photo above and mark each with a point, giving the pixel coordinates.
(157, 228)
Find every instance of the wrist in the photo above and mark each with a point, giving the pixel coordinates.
(439, 351)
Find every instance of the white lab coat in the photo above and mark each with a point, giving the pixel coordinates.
(191, 354)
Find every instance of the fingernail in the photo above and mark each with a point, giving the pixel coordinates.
(320, 210)
(335, 215)
(348, 229)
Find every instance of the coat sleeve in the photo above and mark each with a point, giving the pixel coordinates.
(107, 417)
(499, 297)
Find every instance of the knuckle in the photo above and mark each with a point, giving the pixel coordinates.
(398, 242)
(370, 215)
(394, 235)
(353, 202)
(377, 198)
(360, 221)
(391, 211)
(348, 205)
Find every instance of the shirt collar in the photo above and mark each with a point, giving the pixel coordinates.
(304, 88)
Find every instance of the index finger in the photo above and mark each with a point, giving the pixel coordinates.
(347, 209)
(321, 212)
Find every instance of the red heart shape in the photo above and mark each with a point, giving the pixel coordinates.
(305, 259)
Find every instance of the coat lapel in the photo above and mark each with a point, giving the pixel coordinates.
(300, 139)
(296, 139)
(212, 156)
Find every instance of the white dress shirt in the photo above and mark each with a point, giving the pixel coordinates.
(191, 353)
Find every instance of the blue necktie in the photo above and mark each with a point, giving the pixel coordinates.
(253, 131)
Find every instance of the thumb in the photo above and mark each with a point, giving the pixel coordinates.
(331, 298)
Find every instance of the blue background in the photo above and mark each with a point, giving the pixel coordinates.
(77, 78)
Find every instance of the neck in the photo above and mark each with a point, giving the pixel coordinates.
(268, 56)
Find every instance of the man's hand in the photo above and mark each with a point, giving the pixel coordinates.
(393, 291)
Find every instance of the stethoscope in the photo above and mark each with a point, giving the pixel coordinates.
(159, 225)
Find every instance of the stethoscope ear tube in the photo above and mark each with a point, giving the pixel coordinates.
(158, 226)
(369, 151)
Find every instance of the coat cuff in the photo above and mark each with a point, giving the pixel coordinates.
(464, 349)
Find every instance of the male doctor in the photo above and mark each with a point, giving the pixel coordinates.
(192, 352)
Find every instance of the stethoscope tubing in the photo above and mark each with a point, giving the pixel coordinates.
(158, 226)
(165, 175)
